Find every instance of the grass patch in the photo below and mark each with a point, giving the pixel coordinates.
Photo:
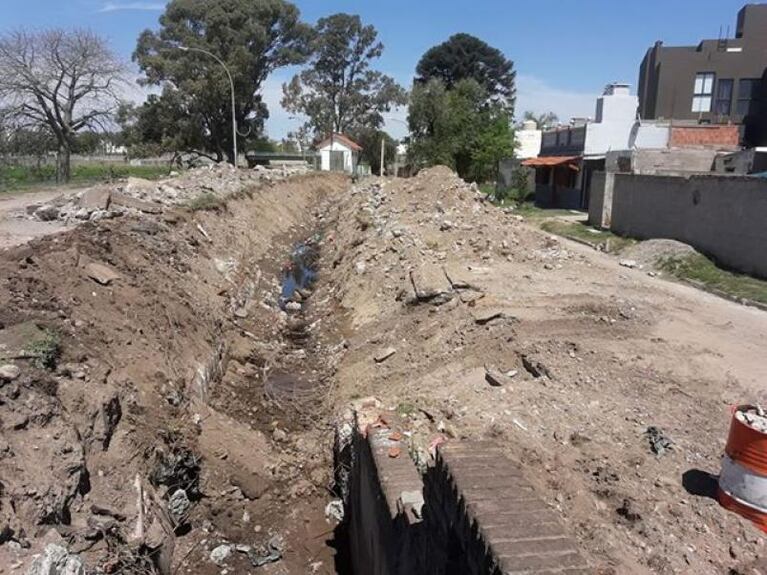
(46, 349)
(582, 232)
(22, 178)
(207, 202)
(701, 271)
(530, 211)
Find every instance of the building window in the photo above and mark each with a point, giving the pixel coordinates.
(723, 102)
(748, 94)
(703, 92)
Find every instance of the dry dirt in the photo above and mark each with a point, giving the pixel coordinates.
(594, 354)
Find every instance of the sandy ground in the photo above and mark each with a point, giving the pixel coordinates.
(15, 227)
(596, 355)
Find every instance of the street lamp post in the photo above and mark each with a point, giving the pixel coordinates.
(231, 86)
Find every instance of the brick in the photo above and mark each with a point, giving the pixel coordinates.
(536, 563)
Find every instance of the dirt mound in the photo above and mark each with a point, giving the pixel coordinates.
(650, 253)
(203, 187)
(134, 354)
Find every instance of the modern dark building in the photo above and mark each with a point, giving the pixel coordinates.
(717, 82)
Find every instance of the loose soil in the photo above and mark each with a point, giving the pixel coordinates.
(602, 365)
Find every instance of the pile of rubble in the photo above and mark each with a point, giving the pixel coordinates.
(147, 196)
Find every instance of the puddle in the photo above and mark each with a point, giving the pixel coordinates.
(300, 272)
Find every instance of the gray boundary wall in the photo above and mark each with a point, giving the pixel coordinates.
(725, 217)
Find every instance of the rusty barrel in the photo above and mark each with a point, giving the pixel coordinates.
(743, 481)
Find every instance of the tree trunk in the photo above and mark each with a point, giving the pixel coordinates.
(63, 161)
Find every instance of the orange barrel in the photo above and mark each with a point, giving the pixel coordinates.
(743, 481)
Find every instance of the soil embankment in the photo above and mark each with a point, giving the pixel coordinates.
(159, 411)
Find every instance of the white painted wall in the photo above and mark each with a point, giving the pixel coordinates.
(336, 147)
(528, 143)
(650, 136)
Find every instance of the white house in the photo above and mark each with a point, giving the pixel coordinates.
(338, 153)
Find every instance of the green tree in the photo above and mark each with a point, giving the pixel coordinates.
(460, 128)
(370, 140)
(463, 57)
(339, 91)
(252, 37)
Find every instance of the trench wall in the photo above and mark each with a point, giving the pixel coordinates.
(471, 513)
(721, 216)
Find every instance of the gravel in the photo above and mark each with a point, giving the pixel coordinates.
(648, 254)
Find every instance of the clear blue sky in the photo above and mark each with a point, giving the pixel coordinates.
(564, 51)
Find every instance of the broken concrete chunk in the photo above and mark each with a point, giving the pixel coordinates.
(483, 315)
(101, 273)
(129, 202)
(430, 284)
(496, 378)
(458, 277)
(56, 560)
(47, 213)
(9, 372)
(385, 354)
(95, 199)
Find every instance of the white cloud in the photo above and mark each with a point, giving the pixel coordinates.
(538, 96)
(141, 6)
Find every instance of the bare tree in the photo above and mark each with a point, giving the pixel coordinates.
(65, 81)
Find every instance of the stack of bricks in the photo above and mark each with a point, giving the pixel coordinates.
(483, 517)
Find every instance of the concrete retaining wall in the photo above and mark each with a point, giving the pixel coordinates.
(721, 216)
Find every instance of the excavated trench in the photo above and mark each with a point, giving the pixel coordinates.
(188, 394)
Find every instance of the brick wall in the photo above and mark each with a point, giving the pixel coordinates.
(472, 513)
(704, 136)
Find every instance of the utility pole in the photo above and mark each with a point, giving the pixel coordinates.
(383, 151)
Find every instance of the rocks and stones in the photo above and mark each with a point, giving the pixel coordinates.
(483, 315)
(293, 306)
(9, 372)
(457, 277)
(220, 554)
(496, 378)
(628, 263)
(279, 435)
(120, 199)
(101, 273)
(95, 199)
(334, 511)
(534, 367)
(241, 313)
(47, 213)
(384, 354)
(270, 552)
(431, 285)
(659, 442)
(754, 417)
(56, 560)
(178, 505)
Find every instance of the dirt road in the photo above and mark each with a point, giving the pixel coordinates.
(186, 370)
(15, 227)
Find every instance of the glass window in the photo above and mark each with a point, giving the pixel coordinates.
(748, 95)
(723, 101)
(703, 92)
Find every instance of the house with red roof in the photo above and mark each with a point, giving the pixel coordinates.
(339, 153)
